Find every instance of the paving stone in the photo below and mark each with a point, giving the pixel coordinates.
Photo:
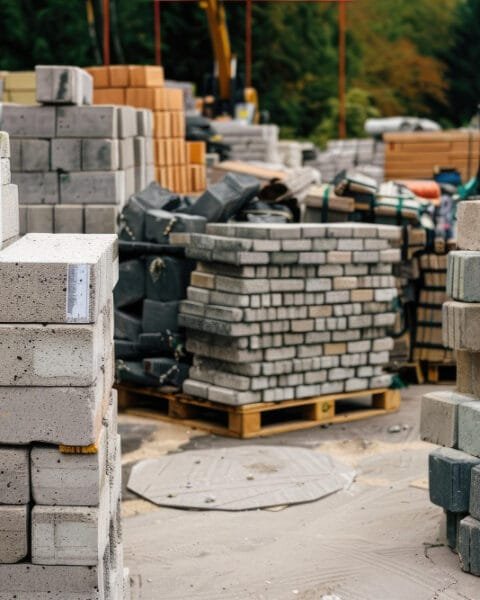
(468, 427)
(474, 507)
(468, 223)
(452, 526)
(468, 372)
(463, 276)
(469, 543)
(449, 478)
(461, 326)
(13, 534)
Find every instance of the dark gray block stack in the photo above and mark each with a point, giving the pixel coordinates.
(75, 164)
(60, 456)
(9, 221)
(452, 419)
(282, 312)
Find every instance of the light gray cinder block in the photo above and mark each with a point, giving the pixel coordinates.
(468, 225)
(63, 85)
(92, 187)
(13, 534)
(24, 121)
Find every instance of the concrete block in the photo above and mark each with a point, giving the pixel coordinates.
(68, 218)
(468, 372)
(463, 276)
(101, 218)
(92, 187)
(339, 257)
(35, 155)
(85, 122)
(126, 153)
(232, 397)
(66, 154)
(452, 526)
(22, 121)
(9, 212)
(37, 188)
(468, 427)
(15, 153)
(14, 475)
(474, 508)
(57, 278)
(40, 219)
(392, 255)
(468, 224)
(468, 542)
(63, 85)
(449, 478)
(14, 528)
(5, 150)
(196, 388)
(461, 326)
(101, 154)
(127, 122)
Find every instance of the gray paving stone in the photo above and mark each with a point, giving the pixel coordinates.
(469, 544)
(449, 478)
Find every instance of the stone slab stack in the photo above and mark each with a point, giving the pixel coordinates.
(60, 462)
(282, 312)
(250, 142)
(9, 220)
(179, 165)
(452, 419)
(75, 164)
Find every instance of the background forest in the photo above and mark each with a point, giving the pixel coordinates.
(416, 57)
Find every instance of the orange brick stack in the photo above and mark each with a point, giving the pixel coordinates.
(179, 165)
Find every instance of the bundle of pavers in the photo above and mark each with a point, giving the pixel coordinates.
(75, 164)
(452, 419)
(250, 142)
(279, 312)
(60, 464)
(9, 221)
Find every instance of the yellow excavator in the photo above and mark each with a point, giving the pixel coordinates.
(225, 96)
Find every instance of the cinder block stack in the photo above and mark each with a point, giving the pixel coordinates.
(281, 312)
(250, 142)
(75, 164)
(452, 419)
(60, 464)
(9, 221)
(179, 165)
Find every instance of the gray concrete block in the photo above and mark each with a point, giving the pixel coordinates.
(101, 218)
(449, 478)
(474, 508)
(355, 384)
(68, 218)
(15, 153)
(101, 154)
(127, 122)
(85, 122)
(468, 427)
(14, 529)
(468, 542)
(66, 154)
(57, 278)
(63, 85)
(239, 286)
(232, 397)
(5, 149)
(40, 219)
(14, 475)
(452, 527)
(196, 388)
(461, 326)
(126, 154)
(92, 187)
(468, 224)
(468, 372)
(463, 276)
(37, 188)
(23, 121)
(35, 155)
(9, 212)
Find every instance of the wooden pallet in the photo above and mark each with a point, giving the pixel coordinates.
(260, 419)
(440, 372)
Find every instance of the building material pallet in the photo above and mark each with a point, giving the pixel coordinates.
(260, 419)
(442, 372)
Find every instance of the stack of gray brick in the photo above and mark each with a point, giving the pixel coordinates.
(9, 221)
(282, 312)
(75, 164)
(452, 419)
(60, 458)
(250, 142)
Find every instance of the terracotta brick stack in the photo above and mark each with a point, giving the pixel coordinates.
(179, 165)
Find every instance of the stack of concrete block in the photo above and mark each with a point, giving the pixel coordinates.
(60, 462)
(250, 142)
(177, 166)
(9, 221)
(281, 312)
(452, 419)
(75, 164)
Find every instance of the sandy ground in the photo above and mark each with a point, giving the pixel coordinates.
(379, 540)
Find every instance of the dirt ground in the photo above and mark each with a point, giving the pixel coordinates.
(379, 540)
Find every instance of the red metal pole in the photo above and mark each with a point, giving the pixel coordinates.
(248, 43)
(106, 32)
(158, 39)
(342, 26)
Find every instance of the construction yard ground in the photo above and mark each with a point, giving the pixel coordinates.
(378, 540)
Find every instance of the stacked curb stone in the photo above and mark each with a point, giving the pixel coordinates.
(452, 419)
(60, 463)
(75, 164)
(9, 221)
(283, 312)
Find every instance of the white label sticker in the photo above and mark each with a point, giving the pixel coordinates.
(78, 296)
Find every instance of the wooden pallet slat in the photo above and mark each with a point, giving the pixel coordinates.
(254, 420)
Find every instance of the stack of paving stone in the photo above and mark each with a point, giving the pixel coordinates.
(9, 221)
(250, 142)
(178, 166)
(280, 312)
(60, 463)
(452, 419)
(75, 165)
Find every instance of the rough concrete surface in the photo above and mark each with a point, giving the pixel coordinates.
(381, 539)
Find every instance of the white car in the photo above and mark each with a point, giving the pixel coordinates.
(378, 127)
